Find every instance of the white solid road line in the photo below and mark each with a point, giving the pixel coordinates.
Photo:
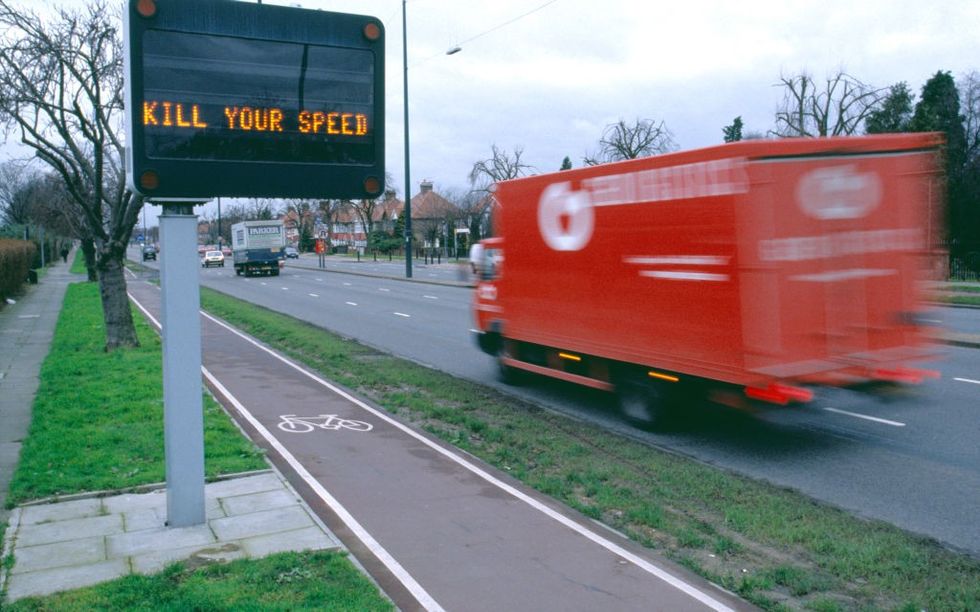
(582, 530)
(866, 417)
(419, 593)
(968, 380)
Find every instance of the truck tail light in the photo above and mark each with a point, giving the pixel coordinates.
(779, 394)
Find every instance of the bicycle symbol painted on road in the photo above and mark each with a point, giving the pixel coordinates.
(298, 424)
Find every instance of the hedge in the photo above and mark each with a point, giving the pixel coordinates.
(15, 260)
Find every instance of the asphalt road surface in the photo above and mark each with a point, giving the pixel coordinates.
(909, 456)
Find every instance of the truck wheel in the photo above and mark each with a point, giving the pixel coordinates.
(644, 404)
(508, 375)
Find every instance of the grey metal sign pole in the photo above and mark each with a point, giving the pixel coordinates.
(183, 416)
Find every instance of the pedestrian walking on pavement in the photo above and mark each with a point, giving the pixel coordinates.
(64, 254)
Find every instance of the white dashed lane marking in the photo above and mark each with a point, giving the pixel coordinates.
(351, 303)
(430, 297)
(968, 380)
(866, 417)
(402, 314)
(312, 295)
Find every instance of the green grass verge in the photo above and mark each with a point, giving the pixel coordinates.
(78, 264)
(320, 580)
(968, 300)
(98, 417)
(964, 288)
(776, 548)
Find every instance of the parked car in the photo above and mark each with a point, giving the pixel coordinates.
(149, 253)
(291, 253)
(226, 250)
(212, 258)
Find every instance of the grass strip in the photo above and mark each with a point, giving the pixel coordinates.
(968, 300)
(98, 417)
(322, 580)
(777, 548)
(964, 288)
(78, 263)
(98, 424)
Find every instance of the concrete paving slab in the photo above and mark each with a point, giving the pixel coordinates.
(244, 486)
(149, 540)
(153, 562)
(46, 582)
(66, 545)
(309, 538)
(60, 554)
(75, 509)
(71, 529)
(257, 502)
(258, 523)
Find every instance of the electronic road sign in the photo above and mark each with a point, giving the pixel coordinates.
(228, 98)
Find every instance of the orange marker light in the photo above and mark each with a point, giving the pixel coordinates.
(372, 185)
(146, 8)
(372, 31)
(149, 180)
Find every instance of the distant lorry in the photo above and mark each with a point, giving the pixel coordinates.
(747, 270)
(257, 247)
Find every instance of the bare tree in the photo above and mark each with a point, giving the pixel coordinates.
(838, 109)
(970, 107)
(621, 141)
(61, 88)
(18, 189)
(501, 166)
(301, 214)
(329, 211)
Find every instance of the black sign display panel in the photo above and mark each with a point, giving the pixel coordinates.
(238, 99)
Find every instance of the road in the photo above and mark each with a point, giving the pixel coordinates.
(908, 456)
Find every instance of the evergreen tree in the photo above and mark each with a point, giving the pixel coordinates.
(566, 164)
(938, 110)
(733, 132)
(895, 113)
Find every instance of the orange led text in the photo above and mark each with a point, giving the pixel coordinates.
(172, 114)
(347, 124)
(258, 119)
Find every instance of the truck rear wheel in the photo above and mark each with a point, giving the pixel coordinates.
(509, 375)
(644, 403)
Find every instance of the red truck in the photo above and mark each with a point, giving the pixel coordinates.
(761, 267)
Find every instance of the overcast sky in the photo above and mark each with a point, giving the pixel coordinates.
(551, 80)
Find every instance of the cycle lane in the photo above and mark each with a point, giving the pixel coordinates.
(436, 528)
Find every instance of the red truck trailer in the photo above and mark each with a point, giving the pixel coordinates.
(761, 266)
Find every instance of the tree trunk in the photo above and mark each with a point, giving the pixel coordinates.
(119, 328)
(88, 251)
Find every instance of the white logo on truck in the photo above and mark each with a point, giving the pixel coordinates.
(565, 217)
(840, 192)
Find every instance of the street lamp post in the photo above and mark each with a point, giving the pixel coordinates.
(408, 180)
